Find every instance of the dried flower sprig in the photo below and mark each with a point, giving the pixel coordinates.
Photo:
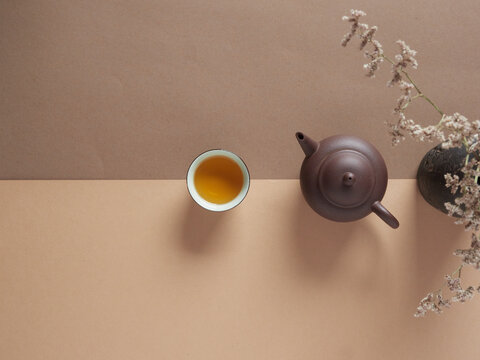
(452, 131)
(435, 301)
(353, 18)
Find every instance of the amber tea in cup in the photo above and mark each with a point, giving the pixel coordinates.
(218, 180)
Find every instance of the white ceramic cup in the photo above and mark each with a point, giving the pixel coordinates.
(207, 204)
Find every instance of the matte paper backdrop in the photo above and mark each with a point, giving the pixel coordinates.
(127, 89)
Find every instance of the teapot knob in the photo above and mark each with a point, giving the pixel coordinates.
(349, 179)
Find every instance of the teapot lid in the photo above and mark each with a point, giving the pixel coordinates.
(346, 178)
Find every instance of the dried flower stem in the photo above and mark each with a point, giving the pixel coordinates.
(457, 270)
(467, 158)
(426, 98)
(453, 131)
(419, 92)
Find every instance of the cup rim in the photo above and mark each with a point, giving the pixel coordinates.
(213, 206)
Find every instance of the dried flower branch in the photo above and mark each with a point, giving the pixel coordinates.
(452, 131)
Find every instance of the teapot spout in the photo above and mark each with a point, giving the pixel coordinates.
(309, 146)
(385, 215)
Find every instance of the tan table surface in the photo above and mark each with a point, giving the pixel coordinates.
(135, 270)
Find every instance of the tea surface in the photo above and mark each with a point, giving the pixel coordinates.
(218, 179)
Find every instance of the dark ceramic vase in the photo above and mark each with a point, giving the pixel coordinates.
(431, 174)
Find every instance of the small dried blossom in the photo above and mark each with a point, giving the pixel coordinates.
(375, 57)
(436, 303)
(426, 304)
(406, 56)
(404, 59)
(453, 284)
(353, 18)
(367, 36)
(460, 132)
(431, 302)
(442, 302)
(423, 133)
(397, 77)
(471, 256)
(463, 295)
(416, 131)
(406, 96)
(452, 181)
(395, 131)
(467, 205)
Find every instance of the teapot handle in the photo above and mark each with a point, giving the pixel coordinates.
(385, 215)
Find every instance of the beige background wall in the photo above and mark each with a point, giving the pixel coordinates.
(122, 89)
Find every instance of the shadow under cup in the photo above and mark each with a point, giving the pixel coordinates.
(218, 180)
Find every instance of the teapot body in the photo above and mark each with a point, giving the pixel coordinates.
(344, 178)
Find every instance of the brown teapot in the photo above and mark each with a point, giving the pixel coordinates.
(344, 178)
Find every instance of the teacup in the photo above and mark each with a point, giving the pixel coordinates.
(218, 180)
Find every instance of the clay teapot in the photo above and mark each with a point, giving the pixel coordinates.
(344, 178)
